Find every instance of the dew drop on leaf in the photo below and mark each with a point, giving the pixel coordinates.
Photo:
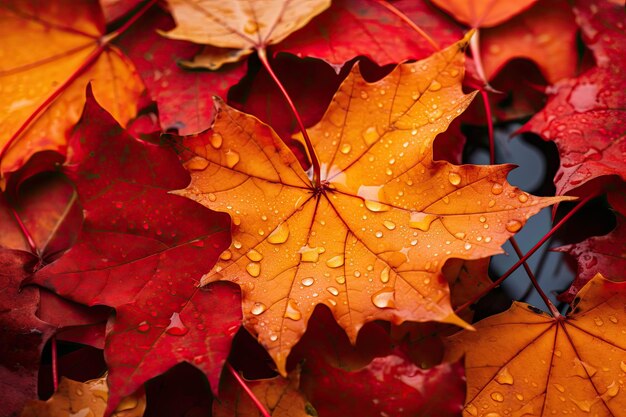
(143, 327)
(513, 226)
(307, 282)
(384, 298)
(454, 178)
(232, 158)
(279, 235)
(497, 396)
(497, 188)
(370, 135)
(216, 140)
(292, 311)
(258, 308)
(254, 255)
(504, 377)
(176, 326)
(421, 221)
(384, 275)
(335, 261)
(254, 269)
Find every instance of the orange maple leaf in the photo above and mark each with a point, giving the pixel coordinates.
(371, 240)
(238, 26)
(74, 398)
(43, 88)
(578, 361)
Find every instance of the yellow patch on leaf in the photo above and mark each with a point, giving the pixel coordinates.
(239, 24)
(74, 398)
(370, 242)
(43, 87)
(524, 362)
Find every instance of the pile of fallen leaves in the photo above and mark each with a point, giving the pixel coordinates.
(242, 208)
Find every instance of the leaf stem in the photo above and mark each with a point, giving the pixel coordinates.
(533, 279)
(523, 259)
(309, 145)
(27, 235)
(478, 63)
(492, 146)
(55, 375)
(248, 391)
(103, 43)
(409, 22)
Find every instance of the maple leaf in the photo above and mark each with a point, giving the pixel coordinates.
(350, 28)
(584, 117)
(603, 254)
(38, 221)
(370, 242)
(88, 398)
(43, 88)
(142, 251)
(183, 97)
(579, 361)
(280, 396)
(478, 13)
(240, 25)
(545, 34)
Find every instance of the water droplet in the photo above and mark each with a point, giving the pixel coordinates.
(471, 409)
(342, 279)
(378, 234)
(497, 189)
(421, 221)
(492, 415)
(497, 396)
(274, 338)
(611, 391)
(459, 235)
(258, 308)
(232, 158)
(584, 405)
(251, 27)
(445, 199)
(216, 140)
(622, 366)
(254, 255)
(308, 281)
(79, 392)
(435, 86)
(613, 319)
(279, 235)
(504, 377)
(454, 72)
(143, 327)
(598, 321)
(292, 312)
(254, 269)
(346, 148)
(334, 291)
(389, 225)
(335, 261)
(176, 326)
(197, 164)
(308, 254)
(375, 206)
(237, 244)
(520, 397)
(384, 298)
(513, 226)
(522, 198)
(467, 246)
(454, 178)
(370, 135)
(384, 275)
(364, 94)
